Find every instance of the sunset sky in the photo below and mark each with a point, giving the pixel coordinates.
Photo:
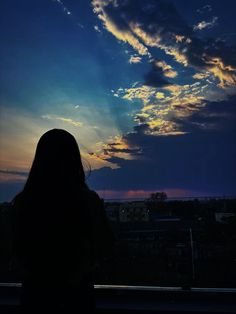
(148, 89)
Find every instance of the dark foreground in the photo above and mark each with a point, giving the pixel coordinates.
(130, 299)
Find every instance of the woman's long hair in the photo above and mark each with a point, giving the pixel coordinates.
(52, 221)
(57, 166)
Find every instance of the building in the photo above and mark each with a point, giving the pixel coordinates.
(133, 211)
(223, 217)
(112, 211)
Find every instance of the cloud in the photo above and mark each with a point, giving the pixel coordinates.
(20, 131)
(201, 76)
(168, 104)
(215, 117)
(116, 147)
(166, 110)
(166, 69)
(203, 24)
(155, 78)
(143, 92)
(135, 59)
(143, 194)
(159, 126)
(97, 29)
(17, 173)
(204, 9)
(63, 119)
(7, 176)
(99, 7)
(196, 162)
(143, 22)
(165, 113)
(160, 95)
(157, 24)
(225, 73)
(161, 106)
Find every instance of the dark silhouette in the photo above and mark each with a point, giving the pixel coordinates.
(61, 230)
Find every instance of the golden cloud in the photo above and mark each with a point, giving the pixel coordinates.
(135, 59)
(159, 109)
(160, 95)
(166, 68)
(115, 146)
(225, 73)
(201, 76)
(181, 39)
(163, 127)
(143, 92)
(125, 36)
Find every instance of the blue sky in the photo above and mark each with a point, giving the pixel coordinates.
(146, 87)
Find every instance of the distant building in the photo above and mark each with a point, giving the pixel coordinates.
(223, 217)
(155, 217)
(133, 211)
(160, 211)
(112, 211)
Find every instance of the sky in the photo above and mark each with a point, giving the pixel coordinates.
(148, 89)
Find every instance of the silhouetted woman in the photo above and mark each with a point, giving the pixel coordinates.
(61, 230)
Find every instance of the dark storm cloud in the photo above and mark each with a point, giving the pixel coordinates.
(199, 162)
(110, 149)
(140, 128)
(200, 52)
(202, 160)
(154, 16)
(154, 78)
(216, 116)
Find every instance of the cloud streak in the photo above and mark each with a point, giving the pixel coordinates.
(14, 172)
(63, 119)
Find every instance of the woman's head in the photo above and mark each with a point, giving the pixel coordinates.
(57, 163)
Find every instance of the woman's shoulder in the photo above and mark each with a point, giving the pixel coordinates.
(17, 200)
(92, 196)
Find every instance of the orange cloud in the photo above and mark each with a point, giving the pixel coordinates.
(135, 59)
(225, 73)
(166, 68)
(143, 194)
(201, 76)
(8, 178)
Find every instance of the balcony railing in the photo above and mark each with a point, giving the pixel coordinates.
(142, 299)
